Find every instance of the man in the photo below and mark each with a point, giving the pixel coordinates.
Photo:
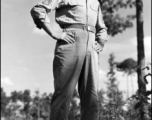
(76, 53)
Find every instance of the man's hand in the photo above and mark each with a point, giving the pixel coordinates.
(65, 36)
(98, 47)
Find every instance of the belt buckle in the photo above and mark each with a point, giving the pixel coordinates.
(88, 28)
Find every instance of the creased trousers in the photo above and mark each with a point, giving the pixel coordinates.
(73, 64)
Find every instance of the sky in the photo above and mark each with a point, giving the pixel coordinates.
(27, 52)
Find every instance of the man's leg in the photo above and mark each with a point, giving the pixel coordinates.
(87, 87)
(65, 83)
(67, 66)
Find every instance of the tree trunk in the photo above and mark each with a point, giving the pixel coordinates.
(132, 84)
(127, 87)
(140, 46)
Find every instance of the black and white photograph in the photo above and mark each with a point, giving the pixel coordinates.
(76, 60)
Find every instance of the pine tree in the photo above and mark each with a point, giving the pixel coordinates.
(114, 94)
(140, 45)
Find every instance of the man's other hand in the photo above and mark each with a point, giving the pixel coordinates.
(65, 36)
(98, 47)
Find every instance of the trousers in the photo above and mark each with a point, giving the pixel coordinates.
(73, 64)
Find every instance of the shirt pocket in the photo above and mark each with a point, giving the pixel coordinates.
(70, 3)
(94, 7)
(48, 4)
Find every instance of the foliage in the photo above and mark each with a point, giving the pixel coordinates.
(115, 96)
(128, 66)
(16, 96)
(141, 109)
(136, 107)
(4, 102)
(111, 109)
(143, 106)
(41, 106)
(111, 13)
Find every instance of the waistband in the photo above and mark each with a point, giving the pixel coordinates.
(81, 26)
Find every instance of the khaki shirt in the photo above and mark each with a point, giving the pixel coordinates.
(72, 12)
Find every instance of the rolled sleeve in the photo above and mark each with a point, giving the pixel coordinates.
(40, 12)
(101, 34)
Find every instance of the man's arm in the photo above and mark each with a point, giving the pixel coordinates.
(101, 35)
(39, 12)
(41, 19)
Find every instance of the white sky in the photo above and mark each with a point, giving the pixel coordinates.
(27, 53)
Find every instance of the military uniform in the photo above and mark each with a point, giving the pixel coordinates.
(77, 62)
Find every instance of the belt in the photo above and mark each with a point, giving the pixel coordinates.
(80, 26)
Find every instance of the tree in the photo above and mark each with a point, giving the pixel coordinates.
(4, 102)
(40, 107)
(114, 94)
(45, 102)
(15, 96)
(138, 105)
(101, 94)
(129, 67)
(116, 23)
(140, 45)
(26, 100)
